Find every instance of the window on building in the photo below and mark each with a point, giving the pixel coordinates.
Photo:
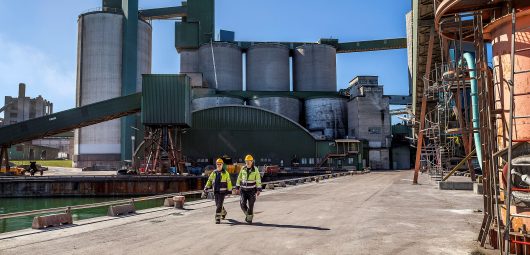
(311, 161)
(303, 161)
(353, 147)
(350, 161)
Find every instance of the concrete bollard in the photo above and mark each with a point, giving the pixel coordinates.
(53, 220)
(309, 179)
(301, 181)
(282, 184)
(269, 186)
(116, 210)
(179, 201)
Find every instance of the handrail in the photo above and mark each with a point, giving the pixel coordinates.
(123, 201)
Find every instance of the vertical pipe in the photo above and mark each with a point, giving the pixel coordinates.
(129, 68)
(470, 60)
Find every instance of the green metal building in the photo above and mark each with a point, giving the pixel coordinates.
(272, 139)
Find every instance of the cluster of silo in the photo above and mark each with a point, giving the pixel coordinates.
(99, 77)
(268, 70)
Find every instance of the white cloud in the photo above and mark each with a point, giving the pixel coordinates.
(41, 72)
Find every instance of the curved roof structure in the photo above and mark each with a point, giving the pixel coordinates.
(236, 130)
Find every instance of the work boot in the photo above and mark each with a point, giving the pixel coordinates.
(223, 213)
(217, 218)
(248, 219)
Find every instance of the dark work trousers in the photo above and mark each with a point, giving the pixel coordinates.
(219, 200)
(248, 197)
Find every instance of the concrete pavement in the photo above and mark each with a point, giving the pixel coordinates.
(375, 213)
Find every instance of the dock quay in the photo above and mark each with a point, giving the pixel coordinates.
(374, 213)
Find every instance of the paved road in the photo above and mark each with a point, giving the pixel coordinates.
(376, 213)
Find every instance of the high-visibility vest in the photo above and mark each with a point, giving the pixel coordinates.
(249, 178)
(226, 183)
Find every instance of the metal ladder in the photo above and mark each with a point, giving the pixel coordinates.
(512, 117)
(487, 122)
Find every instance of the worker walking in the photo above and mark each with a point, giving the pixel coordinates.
(219, 181)
(249, 185)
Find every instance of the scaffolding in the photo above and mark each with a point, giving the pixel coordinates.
(504, 156)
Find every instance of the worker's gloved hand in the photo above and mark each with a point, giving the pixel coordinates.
(204, 194)
(257, 193)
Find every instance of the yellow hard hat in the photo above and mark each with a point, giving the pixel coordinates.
(219, 160)
(249, 158)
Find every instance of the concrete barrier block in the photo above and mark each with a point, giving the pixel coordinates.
(455, 185)
(116, 210)
(269, 186)
(53, 220)
(179, 201)
(309, 180)
(168, 202)
(282, 184)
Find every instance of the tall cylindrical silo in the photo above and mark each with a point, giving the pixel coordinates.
(189, 61)
(267, 67)
(189, 65)
(289, 107)
(99, 77)
(326, 116)
(315, 68)
(501, 31)
(144, 52)
(212, 101)
(228, 66)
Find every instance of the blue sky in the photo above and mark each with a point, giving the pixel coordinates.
(38, 39)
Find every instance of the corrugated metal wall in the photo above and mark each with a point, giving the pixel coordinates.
(166, 100)
(239, 130)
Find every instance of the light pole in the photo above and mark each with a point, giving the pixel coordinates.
(132, 147)
(133, 138)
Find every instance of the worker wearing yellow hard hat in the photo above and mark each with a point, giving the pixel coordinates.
(249, 185)
(219, 182)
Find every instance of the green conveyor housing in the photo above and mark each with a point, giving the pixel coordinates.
(70, 119)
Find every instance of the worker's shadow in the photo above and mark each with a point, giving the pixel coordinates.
(259, 224)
